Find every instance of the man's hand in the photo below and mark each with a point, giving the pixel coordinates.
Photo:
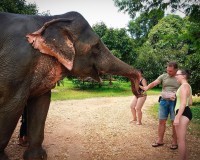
(145, 88)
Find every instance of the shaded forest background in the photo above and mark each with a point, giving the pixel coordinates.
(152, 37)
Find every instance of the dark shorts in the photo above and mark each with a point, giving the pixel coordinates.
(187, 113)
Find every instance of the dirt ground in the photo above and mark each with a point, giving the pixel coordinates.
(99, 129)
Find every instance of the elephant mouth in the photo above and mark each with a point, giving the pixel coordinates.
(92, 74)
(96, 74)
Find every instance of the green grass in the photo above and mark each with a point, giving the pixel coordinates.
(194, 127)
(195, 123)
(68, 91)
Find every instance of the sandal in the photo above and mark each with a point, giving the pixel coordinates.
(155, 144)
(174, 146)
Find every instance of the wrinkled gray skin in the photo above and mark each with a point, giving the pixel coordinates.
(36, 52)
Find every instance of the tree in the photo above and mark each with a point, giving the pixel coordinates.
(193, 64)
(164, 44)
(191, 36)
(100, 28)
(188, 40)
(147, 60)
(118, 42)
(140, 27)
(190, 8)
(18, 6)
(143, 23)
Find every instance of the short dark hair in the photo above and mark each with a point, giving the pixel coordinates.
(172, 64)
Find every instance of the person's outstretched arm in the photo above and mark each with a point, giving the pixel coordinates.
(151, 85)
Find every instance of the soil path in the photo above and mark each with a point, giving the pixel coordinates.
(99, 129)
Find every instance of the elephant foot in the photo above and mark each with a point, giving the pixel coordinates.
(35, 154)
(3, 156)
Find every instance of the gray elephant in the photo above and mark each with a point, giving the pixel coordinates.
(35, 53)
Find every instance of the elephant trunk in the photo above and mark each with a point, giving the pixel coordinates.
(115, 66)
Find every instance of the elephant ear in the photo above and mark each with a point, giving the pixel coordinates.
(55, 40)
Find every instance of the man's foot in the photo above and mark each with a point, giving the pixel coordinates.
(155, 144)
(174, 146)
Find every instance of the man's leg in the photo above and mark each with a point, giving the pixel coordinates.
(161, 130)
(163, 114)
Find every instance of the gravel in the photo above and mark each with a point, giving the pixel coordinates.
(99, 129)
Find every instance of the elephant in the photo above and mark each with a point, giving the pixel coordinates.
(35, 53)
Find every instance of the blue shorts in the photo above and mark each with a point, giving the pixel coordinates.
(166, 108)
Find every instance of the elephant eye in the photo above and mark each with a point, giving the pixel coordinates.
(96, 48)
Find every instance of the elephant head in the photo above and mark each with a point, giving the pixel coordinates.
(71, 40)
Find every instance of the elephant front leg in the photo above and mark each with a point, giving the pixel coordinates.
(37, 112)
(8, 122)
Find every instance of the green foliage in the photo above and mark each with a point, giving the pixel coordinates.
(100, 29)
(163, 44)
(192, 61)
(135, 7)
(171, 38)
(140, 27)
(82, 84)
(148, 61)
(18, 6)
(193, 64)
(166, 33)
(195, 124)
(118, 42)
(194, 127)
